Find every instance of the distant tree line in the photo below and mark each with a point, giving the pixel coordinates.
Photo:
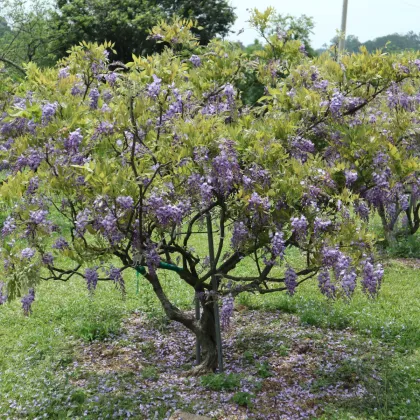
(393, 42)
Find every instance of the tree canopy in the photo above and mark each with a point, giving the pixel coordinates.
(148, 168)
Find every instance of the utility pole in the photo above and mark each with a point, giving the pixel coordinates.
(342, 40)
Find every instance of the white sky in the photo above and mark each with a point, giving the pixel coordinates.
(367, 19)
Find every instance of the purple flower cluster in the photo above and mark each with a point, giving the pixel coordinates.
(104, 128)
(226, 312)
(73, 141)
(351, 177)
(109, 228)
(321, 85)
(111, 78)
(278, 245)
(27, 302)
(325, 285)
(330, 256)
(91, 277)
(229, 92)
(195, 60)
(404, 202)
(3, 296)
(206, 193)
(362, 210)
(176, 107)
(152, 257)
(82, 220)
(116, 276)
(348, 281)
(28, 253)
(219, 103)
(299, 226)
(63, 73)
(290, 280)
(48, 112)
(153, 89)
(125, 202)
(77, 89)
(9, 225)
(343, 271)
(372, 277)
(336, 103)
(32, 185)
(60, 244)
(258, 203)
(34, 159)
(226, 172)
(169, 215)
(240, 235)
(321, 225)
(47, 259)
(38, 217)
(166, 213)
(301, 148)
(396, 97)
(94, 98)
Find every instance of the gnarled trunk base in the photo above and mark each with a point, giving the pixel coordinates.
(204, 329)
(206, 335)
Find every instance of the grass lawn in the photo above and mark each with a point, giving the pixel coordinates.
(286, 357)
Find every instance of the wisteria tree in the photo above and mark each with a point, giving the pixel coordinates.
(134, 162)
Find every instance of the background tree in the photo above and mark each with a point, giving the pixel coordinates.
(395, 42)
(30, 34)
(127, 22)
(4, 27)
(296, 28)
(215, 17)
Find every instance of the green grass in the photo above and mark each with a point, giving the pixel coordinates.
(35, 351)
(221, 381)
(393, 318)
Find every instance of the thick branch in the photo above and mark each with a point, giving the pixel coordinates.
(13, 64)
(255, 286)
(172, 312)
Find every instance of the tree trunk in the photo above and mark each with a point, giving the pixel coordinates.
(204, 329)
(390, 236)
(388, 227)
(206, 335)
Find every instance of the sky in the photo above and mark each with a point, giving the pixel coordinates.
(367, 19)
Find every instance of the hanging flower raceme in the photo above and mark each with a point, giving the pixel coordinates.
(290, 280)
(372, 277)
(3, 295)
(91, 277)
(226, 313)
(299, 226)
(27, 302)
